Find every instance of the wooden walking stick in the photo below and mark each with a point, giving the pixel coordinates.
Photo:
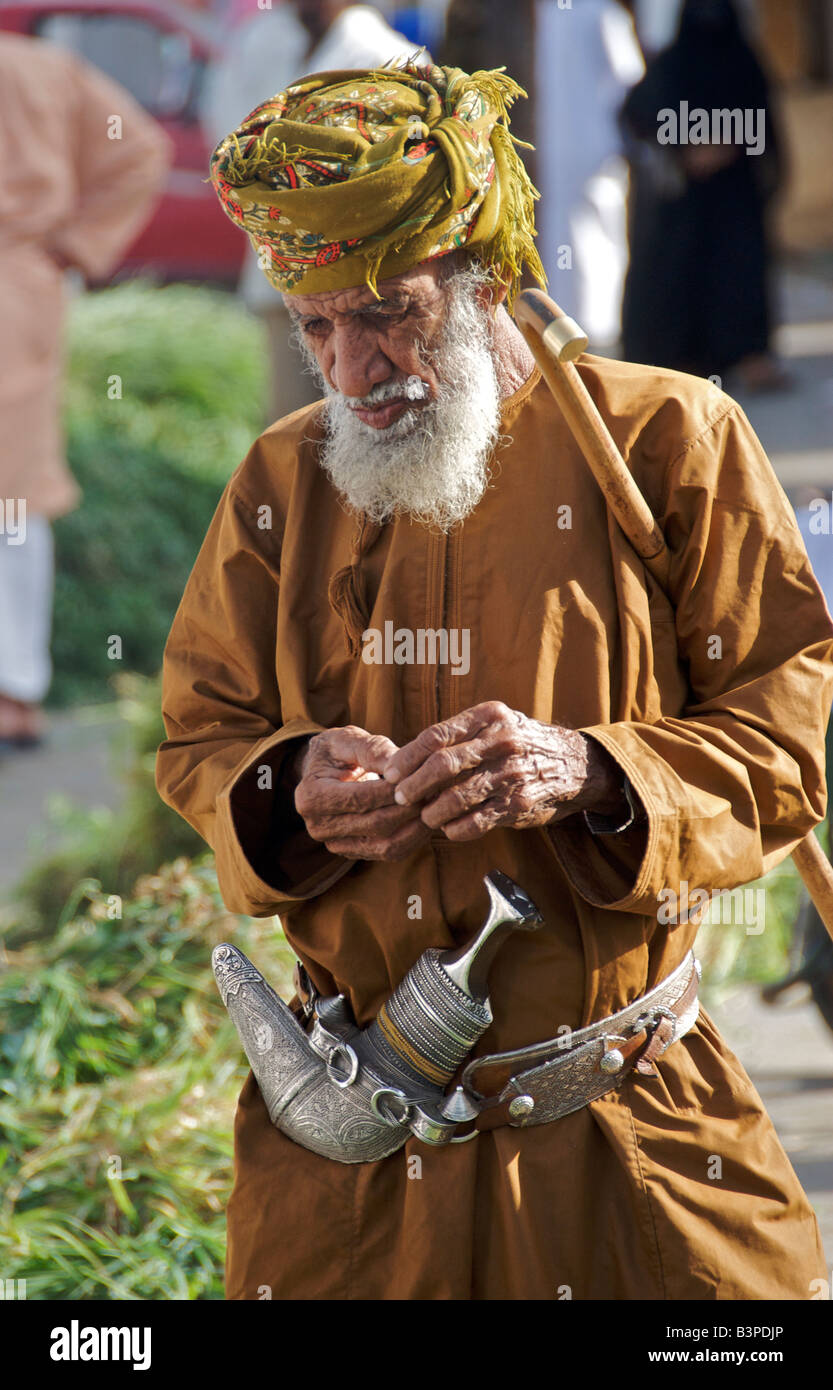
(555, 341)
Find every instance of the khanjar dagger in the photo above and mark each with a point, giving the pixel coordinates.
(356, 1094)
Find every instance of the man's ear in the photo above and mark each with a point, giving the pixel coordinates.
(490, 297)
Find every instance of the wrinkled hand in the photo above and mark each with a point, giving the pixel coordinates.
(344, 801)
(492, 766)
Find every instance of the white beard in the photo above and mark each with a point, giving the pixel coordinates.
(432, 464)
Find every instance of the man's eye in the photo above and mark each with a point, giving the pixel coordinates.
(314, 325)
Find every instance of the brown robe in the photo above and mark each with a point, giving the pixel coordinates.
(725, 751)
(69, 191)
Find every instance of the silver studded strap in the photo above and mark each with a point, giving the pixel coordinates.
(554, 1078)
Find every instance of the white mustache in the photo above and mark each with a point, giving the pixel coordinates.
(414, 389)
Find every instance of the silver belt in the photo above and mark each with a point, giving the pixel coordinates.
(536, 1084)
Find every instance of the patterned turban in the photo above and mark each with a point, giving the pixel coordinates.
(351, 177)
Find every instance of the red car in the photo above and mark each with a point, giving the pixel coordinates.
(160, 53)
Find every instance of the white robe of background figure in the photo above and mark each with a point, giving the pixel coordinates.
(586, 59)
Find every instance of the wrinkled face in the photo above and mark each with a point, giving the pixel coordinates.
(413, 399)
(361, 342)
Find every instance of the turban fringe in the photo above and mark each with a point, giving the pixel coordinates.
(350, 177)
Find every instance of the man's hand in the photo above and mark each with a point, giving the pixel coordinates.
(346, 804)
(491, 766)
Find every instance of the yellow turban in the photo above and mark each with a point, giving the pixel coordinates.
(347, 178)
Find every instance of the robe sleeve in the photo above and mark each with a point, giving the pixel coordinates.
(733, 784)
(221, 766)
(117, 181)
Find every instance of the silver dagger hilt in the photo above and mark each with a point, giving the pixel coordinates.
(437, 1013)
(509, 908)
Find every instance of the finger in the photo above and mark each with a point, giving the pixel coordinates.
(442, 771)
(355, 747)
(324, 796)
(396, 846)
(491, 729)
(459, 728)
(489, 816)
(464, 796)
(376, 825)
(494, 747)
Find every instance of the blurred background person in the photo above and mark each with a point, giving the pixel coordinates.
(341, 35)
(84, 165)
(265, 53)
(656, 23)
(577, 65)
(586, 60)
(477, 35)
(697, 295)
(262, 50)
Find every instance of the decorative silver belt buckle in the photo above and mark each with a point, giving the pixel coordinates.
(650, 1022)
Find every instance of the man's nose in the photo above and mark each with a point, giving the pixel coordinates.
(358, 362)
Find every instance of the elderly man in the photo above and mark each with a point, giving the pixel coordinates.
(600, 746)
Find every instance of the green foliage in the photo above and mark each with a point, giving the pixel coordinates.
(151, 464)
(119, 1072)
(732, 955)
